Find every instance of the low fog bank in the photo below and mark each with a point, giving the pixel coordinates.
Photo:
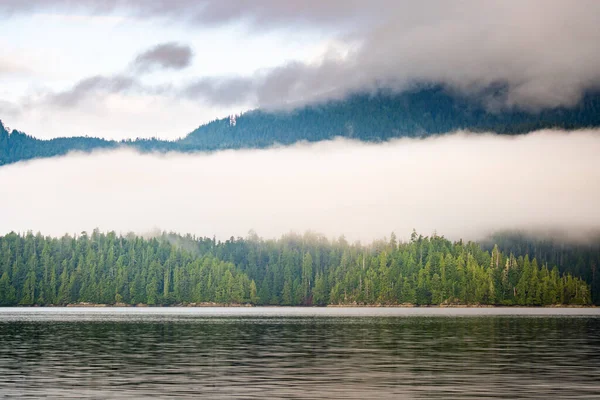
(461, 185)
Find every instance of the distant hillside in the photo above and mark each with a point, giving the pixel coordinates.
(378, 117)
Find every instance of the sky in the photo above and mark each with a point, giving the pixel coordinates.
(125, 69)
(48, 53)
(160, 68)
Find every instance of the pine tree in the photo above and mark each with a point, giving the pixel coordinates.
(7, 291)
(254, 299)
(307, 271)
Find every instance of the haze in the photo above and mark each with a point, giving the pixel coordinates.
(461, 185)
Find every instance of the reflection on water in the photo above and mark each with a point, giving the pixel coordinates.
(300, 353)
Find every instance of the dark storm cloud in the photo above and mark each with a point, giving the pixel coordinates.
(164, 56)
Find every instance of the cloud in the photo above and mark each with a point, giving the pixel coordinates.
(539, 59)
(10, 109)
(93, 85)
(462, 185)
(115, 116)
(222, 91)
(259, 13)
(166, 56)
(98, 88)
(14, 66)
(290, 85)
(542, 53)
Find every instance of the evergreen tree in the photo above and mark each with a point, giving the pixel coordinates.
(294, 270)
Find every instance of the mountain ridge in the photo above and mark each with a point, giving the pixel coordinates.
(367, 117)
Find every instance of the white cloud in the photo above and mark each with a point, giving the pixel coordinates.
(117, 116)
(461, 185)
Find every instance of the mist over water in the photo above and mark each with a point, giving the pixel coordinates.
(461, 185)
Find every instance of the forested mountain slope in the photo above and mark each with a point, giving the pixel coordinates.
(382, 116)
(294, 270)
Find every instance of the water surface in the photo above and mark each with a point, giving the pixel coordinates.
(353, 353)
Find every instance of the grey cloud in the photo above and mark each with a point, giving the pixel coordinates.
(16, 7)
(544, 52)
(8, 108)
(258, 13)
(95, 85)
(166, 56)
(222, 91)
(98, 87)
(286, 86)
(462, 185)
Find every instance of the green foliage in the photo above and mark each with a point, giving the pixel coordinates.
(424, 111)
(309, 269)
(294, 270)
(106, 268)
(578, 258)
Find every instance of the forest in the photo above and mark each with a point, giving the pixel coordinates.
(309, 270)
(422, 112)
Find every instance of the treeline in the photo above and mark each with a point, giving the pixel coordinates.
(294, 270)
(109, 269)
(579, 258)
(425, 111)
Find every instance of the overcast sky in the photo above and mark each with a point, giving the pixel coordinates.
(122, 68)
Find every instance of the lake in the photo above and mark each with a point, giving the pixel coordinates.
(346, 353)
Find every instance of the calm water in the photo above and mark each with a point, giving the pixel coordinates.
(262, 353)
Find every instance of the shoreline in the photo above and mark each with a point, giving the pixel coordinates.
(222, 305)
